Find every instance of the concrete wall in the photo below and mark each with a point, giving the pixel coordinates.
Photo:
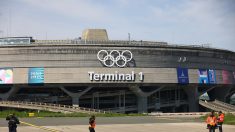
(86, 56)
(80, 75)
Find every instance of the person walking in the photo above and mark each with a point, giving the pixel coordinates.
(220, 120)
(211, 122)
(92, 124)
(12, 122)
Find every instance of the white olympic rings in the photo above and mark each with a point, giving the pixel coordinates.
(119, 58)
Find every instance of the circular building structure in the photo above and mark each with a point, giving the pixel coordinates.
(122, 76)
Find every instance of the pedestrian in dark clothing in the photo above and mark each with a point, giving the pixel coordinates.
(220, 120)
(92, 124)
(12, 122)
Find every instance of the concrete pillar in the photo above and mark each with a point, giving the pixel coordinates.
(10, 93)
(75, 96)
(142, 104)
(142, 98)
(95, 100)
(75, 101)
(193, 98)
(219, 93)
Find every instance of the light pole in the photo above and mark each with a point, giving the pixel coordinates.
(129, 37)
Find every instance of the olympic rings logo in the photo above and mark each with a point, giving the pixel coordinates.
(119, 58)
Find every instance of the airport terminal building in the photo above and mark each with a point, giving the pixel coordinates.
(122, 76)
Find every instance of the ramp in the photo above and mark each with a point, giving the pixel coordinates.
(48, 107)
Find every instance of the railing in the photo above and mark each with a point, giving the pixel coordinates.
(232, 107)
(114, 42)
(52, 107)
(134, 107)
(213, 106)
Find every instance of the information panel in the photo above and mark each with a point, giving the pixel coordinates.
(182, 75)
(36, 75)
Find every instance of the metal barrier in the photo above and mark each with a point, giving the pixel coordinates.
(215, 106)
(49, 107)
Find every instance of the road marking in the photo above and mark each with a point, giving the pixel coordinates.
(40, 127)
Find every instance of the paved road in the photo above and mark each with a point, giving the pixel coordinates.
(53, 121)
(115, 124)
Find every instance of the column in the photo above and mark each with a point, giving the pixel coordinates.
(142, 97)
(193, 98)
(75, 101)
(75, 96)
(142, 104)
(10, 93)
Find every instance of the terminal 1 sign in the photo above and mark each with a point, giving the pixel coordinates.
(115, 76)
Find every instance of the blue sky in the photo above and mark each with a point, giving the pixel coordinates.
(173, 21)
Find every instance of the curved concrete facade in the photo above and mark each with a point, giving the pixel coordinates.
(74, 64)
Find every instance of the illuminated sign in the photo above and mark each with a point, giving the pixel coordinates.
(36, 75)
(115, 76)
(114, 57)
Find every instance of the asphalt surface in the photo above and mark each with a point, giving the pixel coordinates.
(56, 121)
(113, 124)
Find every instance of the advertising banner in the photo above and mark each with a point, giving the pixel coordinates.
(212, 76)
(182, 75)
(36, 75)
(227, 77)
(203, 76)
(6, 75)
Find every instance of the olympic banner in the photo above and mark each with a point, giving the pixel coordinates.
(212, 76)
(227, 77)
(182, 75)
(36, 75)
(203, 76)
(6, 75)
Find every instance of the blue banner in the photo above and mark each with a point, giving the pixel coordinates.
(203, 76)
(182, 75)
(212, 76)
(36, 75)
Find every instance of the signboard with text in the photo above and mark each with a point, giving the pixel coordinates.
(36, 75)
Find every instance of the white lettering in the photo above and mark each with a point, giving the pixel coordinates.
(114, 77)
